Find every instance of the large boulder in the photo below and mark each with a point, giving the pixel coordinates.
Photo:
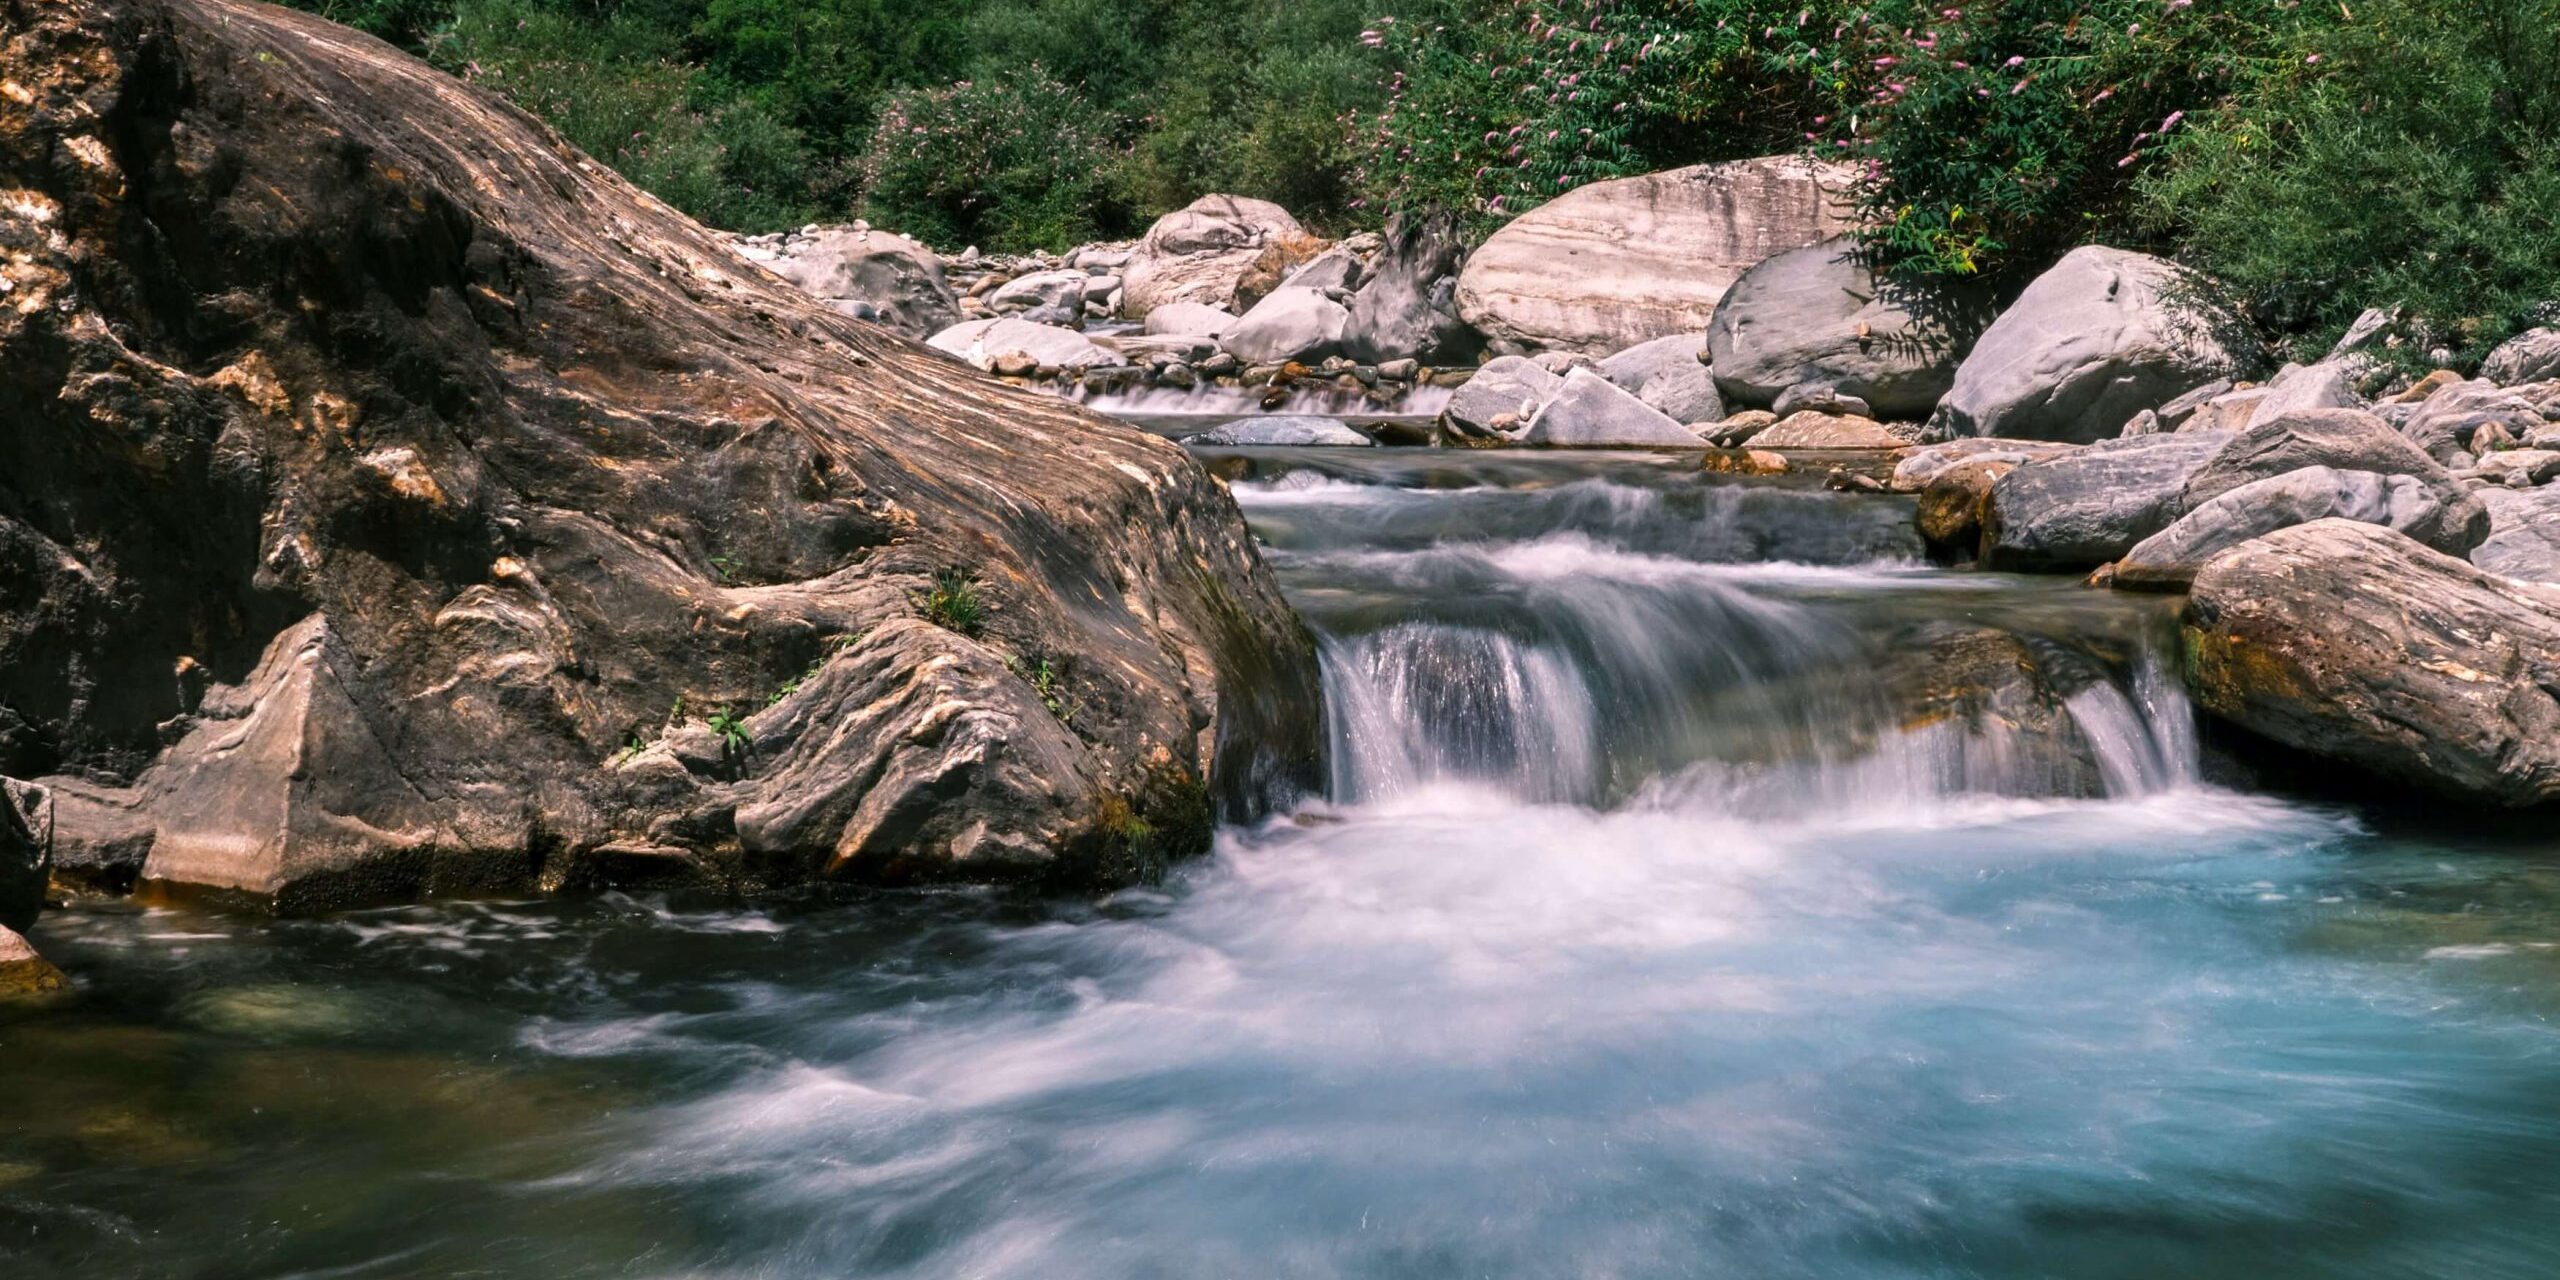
(2091, 505)
(2448, 521)
(985, 342)
(2356, 644)
(1202, 252)
(2101, 336)
(1042, 297)
(1590, 412)
(1507, 386)
(1408, 307)
(26, 851)
(1820, 316)
(2528, 357)
(398, 502)
(2524, 534)
(898, 282)
(1292, 324)
(1609, 265)
(2346, 439)
(1671, 375)
(1189, 320)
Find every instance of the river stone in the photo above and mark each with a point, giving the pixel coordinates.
(2524, 534)
(1589, 411)
(23, 972)
(2168, 560)
(1606, 266)
(1335, 271)
(2099, 337)
(2356, 644)
(1284, 429)
(900, 281)
(984, 342)
(1509, 385)
(1819, 316)
(1201, 253)
(1189, 320)
(2346, 439)
(366, 593)
(1810, 430)
(26, 851)
(1953, 499)
(2329, 384)
(2447, 423)
(1925, 464)
(1408, 307)
(2527, 357)
(1671, 375)
(1292, 324)
(1043, 297)
(2092, 505)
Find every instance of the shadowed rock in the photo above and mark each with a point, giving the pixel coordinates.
(396, 502)
(1820, 316)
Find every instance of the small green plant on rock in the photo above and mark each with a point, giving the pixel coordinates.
(732, 729)
(1047, 681)
(953, 602)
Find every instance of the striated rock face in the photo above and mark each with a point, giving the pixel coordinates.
(2356, 644)
(2446, 520)
(1604, 267)
(2084, 508)
(2528, 357)
(393, 501)
(873, 275)
(1203, 252)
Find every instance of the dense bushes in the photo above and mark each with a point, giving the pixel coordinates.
(1018, 162)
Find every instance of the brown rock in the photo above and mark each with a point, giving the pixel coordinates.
(2427, 386)
(22, 971)
(1748, 462)
(1810, 430)
(1951, 504)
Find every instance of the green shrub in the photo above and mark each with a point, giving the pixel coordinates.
(953, 603)
(2418, 164)
(1021, 163)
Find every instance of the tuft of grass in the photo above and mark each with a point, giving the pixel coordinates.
(1047, 681)
(953, 603)
(732, 729)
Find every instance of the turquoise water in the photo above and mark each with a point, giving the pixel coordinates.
(1642, 937)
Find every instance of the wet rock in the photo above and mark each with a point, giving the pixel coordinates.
(1589, 411)
(1189, 320)
(2168, 560)
(1291, 325)
(2092, 505)
(2524, 534)
(1505, 385)
(901, 282)
(1748, 462)
(1606, 266)
(1820, 316)
(1288, 429)
(1952, 503)
(1925, 464)
(23, 973)
(492, 462)
(1408, 307)
(1202, 252)
(2101, 336)
(2004, 702)
(2527, 357)
(984, 342)
(1827, 431)
(2356, 644)
(26, 851)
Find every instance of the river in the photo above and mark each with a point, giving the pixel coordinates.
(1661, 920)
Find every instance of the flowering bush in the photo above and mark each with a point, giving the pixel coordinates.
(1493, 116)
(1993, 132)
(1019, 164)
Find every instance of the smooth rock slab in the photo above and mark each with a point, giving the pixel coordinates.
(1290, 429)
(1292, 324)
(2168, 560)
(1827, 431)
(1189, 320)
(2092, 505)
(1513, 386)
(984, 342)
(2356, 644)
(1591, 412)
(2524, 534)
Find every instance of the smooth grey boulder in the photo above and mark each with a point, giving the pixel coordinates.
(1408, 306)
(1669, 374)
(2527, 357)
(2346, 439)
(26, 851)
(2447, 423)
(1589, 411)
(1189, 320)
(1202, 252)
(1046, 293)
(2524, 534)
(2169, 559)
(1336, 270)
(2356, 644)
(2092, 505)
(1288, 429)
(2099, 337)
(984, 342)
(1292, 324)
(1507, 385)
(2329, 384)
(1820, 316)
(900, 282)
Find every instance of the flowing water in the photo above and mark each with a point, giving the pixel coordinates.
(1693, 897)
